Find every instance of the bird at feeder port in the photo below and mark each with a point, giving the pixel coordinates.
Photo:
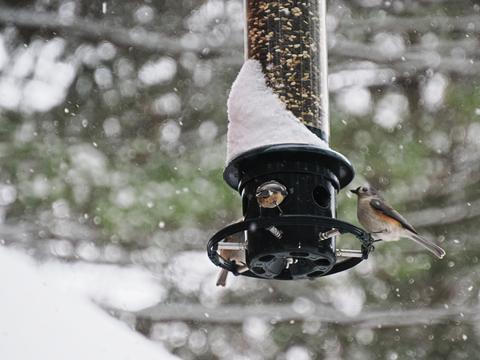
(271, 194)
(385, 223)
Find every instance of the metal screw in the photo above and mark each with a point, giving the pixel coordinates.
(275, 232)
(328, 234)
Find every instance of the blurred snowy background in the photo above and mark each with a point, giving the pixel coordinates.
(112, 145)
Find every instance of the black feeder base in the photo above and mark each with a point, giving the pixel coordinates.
(285, 242)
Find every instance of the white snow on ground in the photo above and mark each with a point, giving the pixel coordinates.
(257, 117)
(40, 320)
(119, 287)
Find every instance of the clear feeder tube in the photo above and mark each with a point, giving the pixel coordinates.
(288, 37)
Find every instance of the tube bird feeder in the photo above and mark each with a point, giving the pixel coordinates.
(278, 157)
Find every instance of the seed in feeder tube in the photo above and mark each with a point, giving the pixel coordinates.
(284, 36)
(296, 11)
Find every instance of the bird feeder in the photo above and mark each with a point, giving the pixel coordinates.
(294, 239)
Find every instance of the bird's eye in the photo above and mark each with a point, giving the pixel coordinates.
(364, 189)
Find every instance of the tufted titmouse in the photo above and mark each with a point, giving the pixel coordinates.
(385, 223)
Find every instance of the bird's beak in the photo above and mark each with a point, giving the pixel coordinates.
(355, 191)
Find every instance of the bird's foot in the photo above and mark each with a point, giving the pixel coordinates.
(370, 247)
(379, 232)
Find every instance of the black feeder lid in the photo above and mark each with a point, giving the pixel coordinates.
(334, 161)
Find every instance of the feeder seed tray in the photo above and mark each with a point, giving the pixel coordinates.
(304, 264)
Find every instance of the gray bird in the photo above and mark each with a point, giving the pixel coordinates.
(385, 223)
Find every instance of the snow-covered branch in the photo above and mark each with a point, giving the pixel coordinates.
(469, 24)
(417, 58)
(279, 313)
(446, 214)
(136, 37)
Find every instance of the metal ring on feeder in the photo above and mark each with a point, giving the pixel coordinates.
(326, 223)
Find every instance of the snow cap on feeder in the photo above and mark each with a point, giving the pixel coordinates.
(278, 157)
(257, 117)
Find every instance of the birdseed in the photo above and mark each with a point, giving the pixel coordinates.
(284, 36)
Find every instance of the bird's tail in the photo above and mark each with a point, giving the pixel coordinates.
(222, 277)
(430, 246)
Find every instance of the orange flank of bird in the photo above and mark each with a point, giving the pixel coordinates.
(388, 219)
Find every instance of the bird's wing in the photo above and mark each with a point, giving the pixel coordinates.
(392, 213)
